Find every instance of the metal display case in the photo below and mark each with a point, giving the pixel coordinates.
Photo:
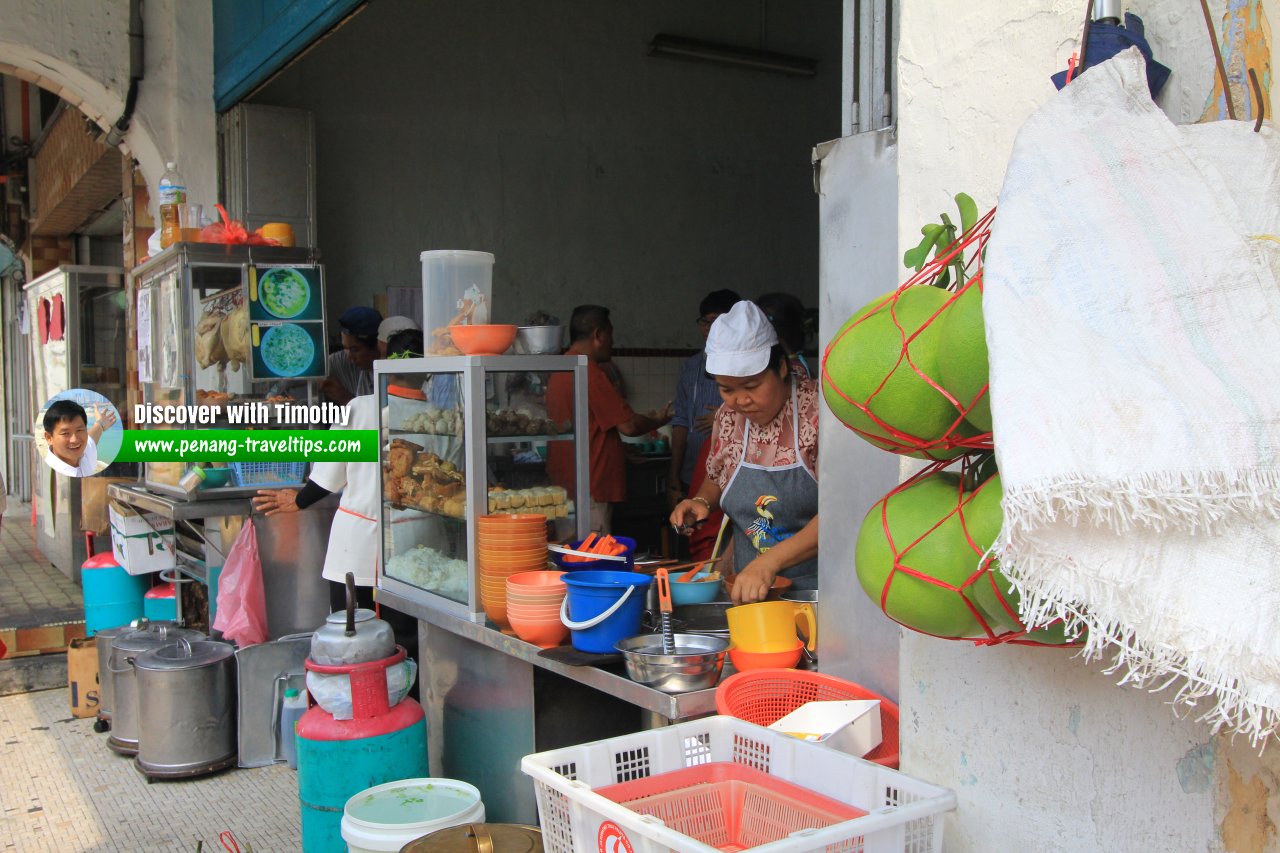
(76, 316)
(225, 326)
(466, 436)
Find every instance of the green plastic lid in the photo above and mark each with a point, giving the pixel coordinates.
(291, 692)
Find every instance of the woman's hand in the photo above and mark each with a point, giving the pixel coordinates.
(688, 514)
(272, 501)
(752, 583)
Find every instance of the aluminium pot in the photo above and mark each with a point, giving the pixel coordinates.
(695, 665)
(125, 648)
(352, 636)
(102, 644)
(186, 710)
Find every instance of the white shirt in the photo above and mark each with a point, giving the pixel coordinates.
(353, 537)
(88, 462)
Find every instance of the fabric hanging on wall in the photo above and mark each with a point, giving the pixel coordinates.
(1131, 315)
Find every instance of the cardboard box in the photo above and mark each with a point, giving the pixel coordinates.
(852, 727)
(141, 542)
(93, 502)
(82, 677)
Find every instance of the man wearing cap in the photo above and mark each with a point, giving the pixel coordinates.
(608, 414)
(763, 465)
(389, 327)
(351, 369)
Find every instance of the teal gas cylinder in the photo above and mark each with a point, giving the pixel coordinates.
(161, 602)
(112, 596)
(338, 759)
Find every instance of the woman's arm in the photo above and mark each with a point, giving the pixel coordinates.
(691, 511)
(753, 582)
(273, 501)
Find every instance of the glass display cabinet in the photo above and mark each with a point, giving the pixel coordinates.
(223, 326)
(466, 436)
(76, 316)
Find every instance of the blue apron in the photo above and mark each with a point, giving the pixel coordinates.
(768, 505)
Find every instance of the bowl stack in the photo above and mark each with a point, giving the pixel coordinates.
(507, 545)
(533, 607)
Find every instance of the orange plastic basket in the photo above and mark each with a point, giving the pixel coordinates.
(728, 805)
(764, 696)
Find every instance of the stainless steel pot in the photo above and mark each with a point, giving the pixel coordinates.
(102, 643)
(186, 711)
(352, 636)
(695, 665)
(124, 693)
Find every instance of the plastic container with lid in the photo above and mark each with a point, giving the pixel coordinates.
(457, 290)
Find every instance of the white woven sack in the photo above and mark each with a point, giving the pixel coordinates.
(1131, 290)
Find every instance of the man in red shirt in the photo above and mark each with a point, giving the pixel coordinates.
(591, 334)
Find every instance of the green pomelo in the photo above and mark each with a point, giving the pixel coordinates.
(943, 554)
(963, 363)
(864, 353)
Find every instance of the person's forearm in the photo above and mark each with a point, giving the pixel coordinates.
(310, 493)
(791, 552)
(95, 432)
(709, 491)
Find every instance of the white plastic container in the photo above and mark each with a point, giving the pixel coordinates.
(457, 289)
(387, 817)
(292, 706)
(851, 726)
(904, 813)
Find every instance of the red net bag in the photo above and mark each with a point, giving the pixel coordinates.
(234, 232)
(923, 556)
(908, 372)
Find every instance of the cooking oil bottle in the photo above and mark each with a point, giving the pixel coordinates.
(173, 193)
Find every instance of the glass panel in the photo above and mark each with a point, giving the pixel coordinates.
(530, 446)
(424, 507)
(220, 338)
(102, 322)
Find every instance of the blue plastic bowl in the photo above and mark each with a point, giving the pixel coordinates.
(694, 592)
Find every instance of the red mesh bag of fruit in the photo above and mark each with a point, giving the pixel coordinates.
(924, 557)
(908, 371)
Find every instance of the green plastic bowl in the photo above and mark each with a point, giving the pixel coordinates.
(216, 478)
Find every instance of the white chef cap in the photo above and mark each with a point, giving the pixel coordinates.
(740, 341)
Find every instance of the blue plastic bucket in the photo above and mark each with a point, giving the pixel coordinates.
(112, 596)
(624, 562)
(602, 608)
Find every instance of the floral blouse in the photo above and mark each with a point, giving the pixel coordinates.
(772, 445)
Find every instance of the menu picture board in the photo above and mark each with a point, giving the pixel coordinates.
(286, 316)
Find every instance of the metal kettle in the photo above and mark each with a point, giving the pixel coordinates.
(352, 636)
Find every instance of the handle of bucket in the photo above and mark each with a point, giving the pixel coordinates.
(129, 668)
(595, 620)
(564, 549)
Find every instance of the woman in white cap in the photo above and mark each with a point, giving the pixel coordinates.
(763, 466)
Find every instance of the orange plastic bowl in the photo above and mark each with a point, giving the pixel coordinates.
(542, 633)
(537, 580)
(492, 339)
(743, 661)
(513, 520)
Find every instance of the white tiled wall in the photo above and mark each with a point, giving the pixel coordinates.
(650, 380)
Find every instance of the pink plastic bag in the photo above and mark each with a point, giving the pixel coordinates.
(242, 603)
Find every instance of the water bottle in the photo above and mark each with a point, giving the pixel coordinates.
(173, 192)
(292, 707)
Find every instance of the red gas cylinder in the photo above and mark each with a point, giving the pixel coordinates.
(338, 759)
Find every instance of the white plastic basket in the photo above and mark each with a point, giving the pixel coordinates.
(904, 815)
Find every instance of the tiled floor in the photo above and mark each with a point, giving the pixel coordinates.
(63, 791)
(32, 591)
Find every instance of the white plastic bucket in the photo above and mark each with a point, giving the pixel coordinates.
(384, 818)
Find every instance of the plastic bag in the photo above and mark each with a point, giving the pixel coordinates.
(232, 231)
(333, 692)
(242, 603)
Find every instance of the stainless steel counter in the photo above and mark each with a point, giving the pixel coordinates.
(291, 548)
(491, 699)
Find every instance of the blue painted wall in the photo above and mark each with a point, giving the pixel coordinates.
(252, 39)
